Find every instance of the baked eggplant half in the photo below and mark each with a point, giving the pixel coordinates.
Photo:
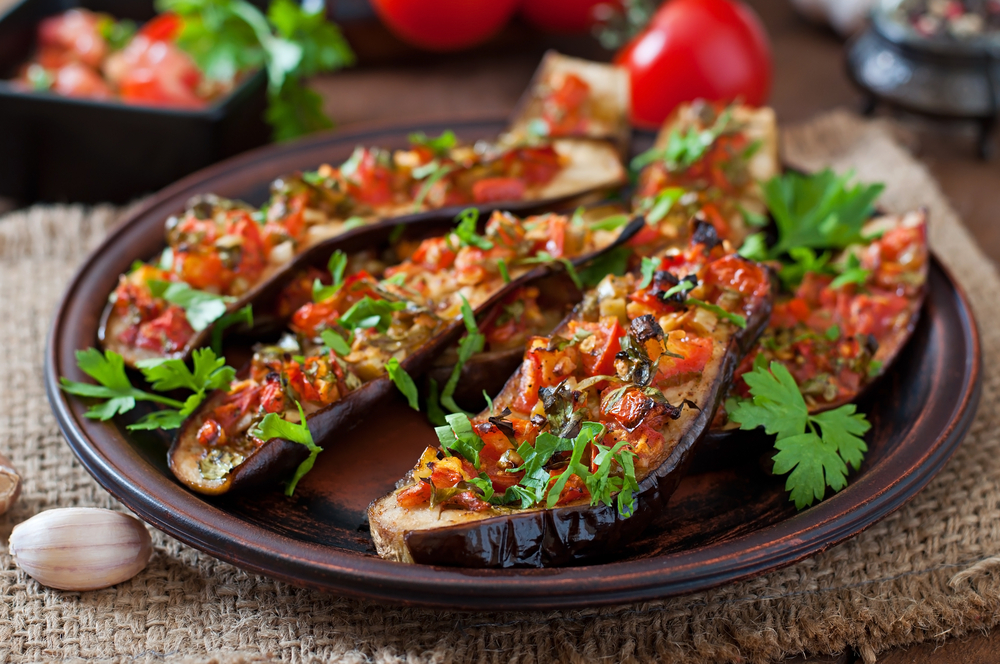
(592, 434)
(335, 361)
(708, 162)
(220, 254)
(836, 339)
(574, 97)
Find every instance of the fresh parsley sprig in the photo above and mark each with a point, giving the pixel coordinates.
(108, 369)
(686, 146)
(202, 308)
(273, 426)
(336, 266)
(472, 343)
(229, 37)
(404, 383)
(814, 450)
(819, 211)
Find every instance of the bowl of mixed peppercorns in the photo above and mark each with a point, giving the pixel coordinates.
(939, 58)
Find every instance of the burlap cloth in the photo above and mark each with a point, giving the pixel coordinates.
(923, 573)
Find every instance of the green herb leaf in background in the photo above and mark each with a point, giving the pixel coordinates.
(273, 426)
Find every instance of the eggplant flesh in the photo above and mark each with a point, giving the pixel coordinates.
(186, 454)
(889, 347)
(503, 537)
(605, 111)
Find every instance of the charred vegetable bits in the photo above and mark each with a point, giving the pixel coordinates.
(588, 439)
(362, 334)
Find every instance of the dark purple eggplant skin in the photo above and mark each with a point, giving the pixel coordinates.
(347, 412)
(580, 534)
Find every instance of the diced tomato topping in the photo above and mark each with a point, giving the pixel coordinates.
(434, 254)
(413, 496)
(272, 397)
(163, 27)
(598, 355)
(696, 353)
(370, 182)
(535, 166)
(561, 110)
(211, 433)
(734, 273)
(167, 333)
(543, 368)
(495, 190)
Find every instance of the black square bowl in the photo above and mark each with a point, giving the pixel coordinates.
(55, 148)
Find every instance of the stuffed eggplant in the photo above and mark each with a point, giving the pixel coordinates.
(708, 161)
(335, 360)
(573, 97)
(837, 334)
(589, 438)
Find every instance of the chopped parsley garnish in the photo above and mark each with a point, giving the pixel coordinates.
(336, 265)
(202, 308)
(545, 258)
(458, 437)
(852, 273)
(611, 223)
(367, 313)
(647, 270)
(471, 343)
(655, 208)
(335, 342)
(466, 230)
(504, 273)
(685, 147)
(736, 319)
(273, 426)
(438, 145)
(431, 174)
(814, 450)
(403, 382)
(108, 369)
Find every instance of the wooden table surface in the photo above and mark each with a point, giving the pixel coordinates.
(809, 79)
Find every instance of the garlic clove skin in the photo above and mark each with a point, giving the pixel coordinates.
(81, 548)
(10, 484)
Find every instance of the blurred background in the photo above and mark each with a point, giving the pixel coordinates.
(78, 139)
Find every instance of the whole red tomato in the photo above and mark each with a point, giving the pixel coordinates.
(697, 49)
(563, 15)
(444, 25)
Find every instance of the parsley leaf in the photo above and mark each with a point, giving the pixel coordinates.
(108, 370)
(336, 265)
(440, 145)
(852, 273)
(504, 273)
(736, 319)
(470, 344)
(820, 210)
(655, 208)
(202, 308)
(430, 174)
(611, 223)
(457, 436)
(273, 426)
(466, 230)
(403, 382)
(366, 313)
(814, 450)
(685, 147)
(335, 342)
(648, 270)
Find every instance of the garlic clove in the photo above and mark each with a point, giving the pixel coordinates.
(10, 484)
(81, 548)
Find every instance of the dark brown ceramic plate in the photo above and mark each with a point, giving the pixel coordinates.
(728, 521)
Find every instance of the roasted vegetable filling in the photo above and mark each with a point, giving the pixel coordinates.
(589, 413)
(357, 326)
(834, 331)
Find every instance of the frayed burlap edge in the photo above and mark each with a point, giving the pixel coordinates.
(926, 572)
